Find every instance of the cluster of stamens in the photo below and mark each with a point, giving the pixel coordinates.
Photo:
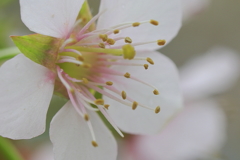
(98, 74)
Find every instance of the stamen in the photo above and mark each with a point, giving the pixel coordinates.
(156, 92)
(161, 42)
(80, 58)
(90, 22)
(109, 83)
(72, 50)
(136, 24)
(104, 37)
(128, 98)
(65, 43)
(106, 106)
(154, 22)
(104, 112)
(65, 83)
(157, 110)
(124, 95)
(86, 117)
(127, 75)
(134, 105)
(101, 45)
(110, 121)
(150, 61)
(99, 102)
(116, 31)
(111, 41)
(94, 143)
(145, 66)
(64, 60)
(128, 40)
(105, 63)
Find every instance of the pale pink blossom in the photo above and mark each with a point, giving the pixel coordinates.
(87, 60)
(199, 131)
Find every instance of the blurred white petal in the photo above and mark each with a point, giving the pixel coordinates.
(198, 131)
(211, 73)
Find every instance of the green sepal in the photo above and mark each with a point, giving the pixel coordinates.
(39, 48)
(85, 15)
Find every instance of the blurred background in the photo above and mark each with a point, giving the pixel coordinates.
(207, 46)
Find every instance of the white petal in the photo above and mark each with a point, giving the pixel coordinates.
(26, 89)
(71, 137)
(212, 73)
(197, 132)
(167, 13)
(193, 7)
(50, 17)
(163, 75)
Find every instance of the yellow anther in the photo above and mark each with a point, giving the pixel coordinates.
(134, 105)
(128, 51)
(135, 24)
(94, 143)
(154, 22)
(99, 102)
(156, 92)
(161, 42)
(116, 31)
(128, 40)
(86, 65)
(86, 117)
(109, 83)
(150, 61)
(104, 37)
(157, 109)
(85, 80)
(106, 106)
(80, 58)
(111, 41)
(101, 45)
(124, 95)
(145, 66)
(127, 75)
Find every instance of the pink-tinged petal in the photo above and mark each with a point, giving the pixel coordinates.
(211, 73)
(50, 17)
(71, 137)
(163, 75)
(197, 132)
(193, 7)
(167, 13)
(26, 89)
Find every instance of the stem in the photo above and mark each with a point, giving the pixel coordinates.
(8, 150)
(8, 53)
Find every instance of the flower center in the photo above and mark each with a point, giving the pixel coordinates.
(84, 65)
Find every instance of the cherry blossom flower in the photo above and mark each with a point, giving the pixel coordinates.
(199, 131)
(72, 58)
